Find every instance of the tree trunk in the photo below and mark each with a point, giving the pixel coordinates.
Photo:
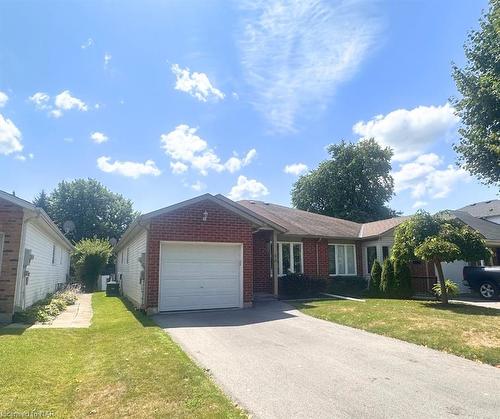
(444, 293)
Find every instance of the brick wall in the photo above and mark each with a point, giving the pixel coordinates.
(186, 224)
(11, 221)
(262, 280)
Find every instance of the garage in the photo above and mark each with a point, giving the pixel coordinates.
(195, 276)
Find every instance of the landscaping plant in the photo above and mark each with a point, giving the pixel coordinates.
(451, 289)
(90, 258)
(402, 279)
(375, 276)
(387, 278)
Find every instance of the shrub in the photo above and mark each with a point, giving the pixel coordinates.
(451, 288)
(387, 277)
(402, 279)
(299, 285)
(375, 276)
(90, 258)
(347, 285)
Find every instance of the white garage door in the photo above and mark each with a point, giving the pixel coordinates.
(200, 276)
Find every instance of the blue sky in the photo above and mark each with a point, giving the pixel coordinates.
(162, 101)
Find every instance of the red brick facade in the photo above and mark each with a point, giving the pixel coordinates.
(186, 224)
(262, 281)
(11, 221)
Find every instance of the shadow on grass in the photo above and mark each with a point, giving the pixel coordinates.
(13, 329)
(463, 309)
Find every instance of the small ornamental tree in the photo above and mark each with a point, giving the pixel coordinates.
(402, 278)
(387, 279)
(90, 258)
(375, 276)
(439, 238)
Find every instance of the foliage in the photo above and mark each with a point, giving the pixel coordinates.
(300, 285)
(402, 279)
(45, 310)
(90, 258)
(479, 107)
(436, 239)
(375, 276)
(452, 289)
(93, 208)
(347, 285)
(387, 279)
(354, 184)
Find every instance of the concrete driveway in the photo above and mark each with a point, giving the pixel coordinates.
(279, 363)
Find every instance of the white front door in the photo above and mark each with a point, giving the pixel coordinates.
(197, 276)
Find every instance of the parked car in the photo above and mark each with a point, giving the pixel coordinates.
(484, 279)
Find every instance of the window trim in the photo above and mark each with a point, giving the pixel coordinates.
(280, 258)
(345, 259)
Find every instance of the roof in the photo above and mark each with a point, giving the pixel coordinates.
(483, 209)
(39, 211)
(488, 229)
(376, 228)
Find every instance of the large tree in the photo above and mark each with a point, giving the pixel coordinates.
(92, 208)
(436, 239)
(354, 184)
(479, 107)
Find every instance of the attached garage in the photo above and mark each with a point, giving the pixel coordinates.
(195, 276)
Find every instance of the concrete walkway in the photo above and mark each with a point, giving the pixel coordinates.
(477, 302)
(277, 362)
(78, 315)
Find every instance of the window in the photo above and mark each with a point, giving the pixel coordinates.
(1, 251)
(53, 254)
(385, 252)
(290, 258)
(371, 256)
(342, 259)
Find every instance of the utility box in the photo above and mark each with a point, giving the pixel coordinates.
(112, 289)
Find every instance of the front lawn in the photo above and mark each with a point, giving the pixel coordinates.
(123, 365)
(464, 330)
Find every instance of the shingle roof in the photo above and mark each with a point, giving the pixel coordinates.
(488, 229)
(483, 209)
(376, 228)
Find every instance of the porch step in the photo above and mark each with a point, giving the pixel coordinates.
(259, 297)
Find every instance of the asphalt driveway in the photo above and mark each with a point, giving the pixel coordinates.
(279, 363)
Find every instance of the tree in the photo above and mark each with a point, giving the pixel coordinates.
(93, 208)
(479, 107)
(387, 278)
(375, 276)
(90, 257)
(42, 201)
(438, 239)
(354, 184)
(402, 278)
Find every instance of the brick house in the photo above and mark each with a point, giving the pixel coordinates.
(212, 252)
(34, 255)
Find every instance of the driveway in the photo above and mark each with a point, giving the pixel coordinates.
(279, 363)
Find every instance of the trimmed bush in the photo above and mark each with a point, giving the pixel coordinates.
(387, 277)
(299, 285)
(375, 276)
(90, 258)
(402, 279)
(347, 285)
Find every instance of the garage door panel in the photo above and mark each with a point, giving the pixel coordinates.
(200, 276)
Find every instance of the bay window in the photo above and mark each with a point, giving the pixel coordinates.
(342, 259)
(290, 258)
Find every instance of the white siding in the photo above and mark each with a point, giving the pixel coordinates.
(130, 273)
(44, 275)
(385, 240)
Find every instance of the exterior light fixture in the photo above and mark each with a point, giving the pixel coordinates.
(205, 215)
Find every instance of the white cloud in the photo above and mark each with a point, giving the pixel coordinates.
(56, 113)
(295, 169)
(247, 188)
(40, 99)
(196, 84)
(87, 44)
(419, 204)
(410, 132)
(198, 186)
(128, 168)
(178, 167)
(185, 147)
(3, 99)
(64, 101)
(98, 137)
(424, 178)
(22, 157)
(10, 137)
(107, 59)
(295, 54)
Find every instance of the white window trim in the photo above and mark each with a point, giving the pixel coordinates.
(280, 258)
(53, 254)
(345, 259)
(128, 254)
(2, 237)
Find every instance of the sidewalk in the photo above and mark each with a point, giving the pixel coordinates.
(78, 315)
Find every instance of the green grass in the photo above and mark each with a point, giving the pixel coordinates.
(123, 365)
(464, 330)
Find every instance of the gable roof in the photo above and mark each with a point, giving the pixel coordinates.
(39, 212)
(488, 229)
(376, 228)
(483, 209)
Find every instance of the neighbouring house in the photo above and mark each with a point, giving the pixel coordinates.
(487, 210)
(212, 252)
(34, 255)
